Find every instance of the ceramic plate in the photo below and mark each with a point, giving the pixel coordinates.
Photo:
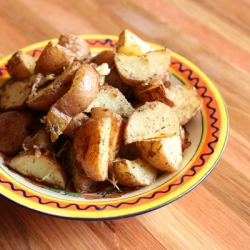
(206, 140)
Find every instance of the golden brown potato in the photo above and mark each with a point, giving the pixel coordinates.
(14, 95)
(56, 122)
(164, 153)
(130, 44)
(135, 70)
(187, 102)
(81, 181)
(74, 124)
(45, 97)
(116, 133)
(111, 98)
(91, 146)
(82, 92)
(41, 168)
(156, 91)
(78, 46)
(134, 173)
(21, 65)
(53, 59)
(151, 120)
(40, 139)
(14, 127)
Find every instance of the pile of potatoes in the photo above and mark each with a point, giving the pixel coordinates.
(112, 117)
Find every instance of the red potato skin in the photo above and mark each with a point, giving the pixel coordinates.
(14, 127)
(82, 93)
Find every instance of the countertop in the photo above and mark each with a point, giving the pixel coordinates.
(214, 35)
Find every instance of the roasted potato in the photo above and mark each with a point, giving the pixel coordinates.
(111, 98)
(14, 95)
(131, 45)
(53, 59)
(21, 65)
(186, 100)
(45, 97)
(116, 133)
(148, 68)
(78, 46)
(153, 92)
(42, 168)
(83, 91)
(151, 120)
(14, 127)
(134, 173)
(91, 146)
(163, 153)
(81, 181)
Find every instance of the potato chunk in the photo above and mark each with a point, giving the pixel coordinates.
(134, 173)
(78, 46)
(45, 97)
(53, 59)
(14, 127)
(111, 98)
(91, 145)
(186, 100)
(164, 154)
(82, 92)
(43, 168)
(21, 65)
(134, 70)
(14, 95)
(130, 44)
(151, 120)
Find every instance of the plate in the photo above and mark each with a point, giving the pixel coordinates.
(207, 137)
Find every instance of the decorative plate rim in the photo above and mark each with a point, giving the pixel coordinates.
(214, 138)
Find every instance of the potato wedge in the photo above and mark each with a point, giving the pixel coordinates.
(21, 65)
(14, 127)
(112, 99)
(131, 45)
(187, 102)
(135, 70)
(81, 181)
(151, 120)
(153, 92)
(116, 133)
(14, 95)
(53, 59)
(134, 173)
(164, 153)
(44, 169)
(82, 92)
(56, 123)
(45, 97)
(91, 146)
(78, 46)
